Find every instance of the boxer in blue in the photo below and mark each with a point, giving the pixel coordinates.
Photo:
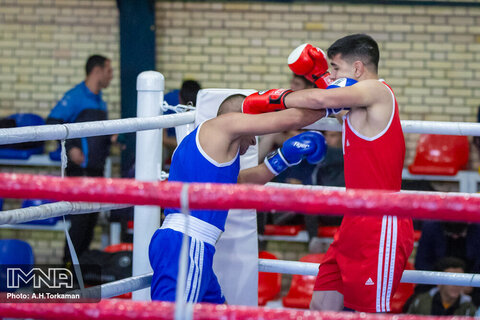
(211, 153)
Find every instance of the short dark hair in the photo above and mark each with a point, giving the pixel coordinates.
(457, 228)
(356, 47)
(450, 262)
(232, 103)
(94, 61)
(188, 92)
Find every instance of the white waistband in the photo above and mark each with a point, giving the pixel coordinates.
(197, 228)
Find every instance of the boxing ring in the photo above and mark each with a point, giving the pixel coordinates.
(147, 194)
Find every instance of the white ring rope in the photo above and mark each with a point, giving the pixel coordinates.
(117, 288)
(409, 276)
(126, 285)
(56, 209)
(106, 127)
(93, 128)
(441, 127)
(413, 126)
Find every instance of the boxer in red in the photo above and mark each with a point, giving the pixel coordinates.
(363, 266)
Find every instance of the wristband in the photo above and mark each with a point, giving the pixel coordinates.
(276, 162)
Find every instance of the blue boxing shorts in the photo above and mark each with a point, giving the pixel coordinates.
(164, 252)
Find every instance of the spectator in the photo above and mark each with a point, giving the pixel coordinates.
(443, 239)
(270, 142)
(299, 174)
(186, 95)
(329, 172)
(444, 299)
(300, 82)
(86, 156)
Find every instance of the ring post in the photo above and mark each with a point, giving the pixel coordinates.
(150, 87)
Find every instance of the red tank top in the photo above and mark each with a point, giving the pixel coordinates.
(376, 162)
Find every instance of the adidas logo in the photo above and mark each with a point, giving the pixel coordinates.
(369, 282)
(348, 143)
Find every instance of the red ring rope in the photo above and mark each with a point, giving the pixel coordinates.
(136, 310)
(225, 196)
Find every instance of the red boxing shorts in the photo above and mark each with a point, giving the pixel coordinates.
(366, 260)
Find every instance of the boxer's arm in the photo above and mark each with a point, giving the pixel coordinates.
(339, 116)
(219, 136)
(309, 145)
(265, 101)
(239, 124)
(257, 175)
(361, 94)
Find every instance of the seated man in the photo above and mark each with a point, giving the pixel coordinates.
(330, 173)
(449, 239)
(210, 153)
(445, 299)
(299, 174)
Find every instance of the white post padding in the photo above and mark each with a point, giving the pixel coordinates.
(236, 259)
(183, 131)
(150, 87)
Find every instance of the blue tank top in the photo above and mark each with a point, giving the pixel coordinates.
(191, 164)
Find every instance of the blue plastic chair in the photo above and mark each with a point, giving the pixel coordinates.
(27, 119)
(16, 253)
(23, 120)
(36, 202)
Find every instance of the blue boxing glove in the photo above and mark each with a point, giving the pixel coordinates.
(339, 83)
(310, 145)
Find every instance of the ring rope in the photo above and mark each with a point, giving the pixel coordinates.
(156, 310)
(106, 127)
(319, 187)
(63, 158)
(409, 276)
(225, 196)
(93, 128)
(116, 288)
(413, 126)
(52, 211)
(119, 287)
(56, 209)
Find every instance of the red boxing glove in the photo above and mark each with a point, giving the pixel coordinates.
(324, 81)
(310, 62)
(265, 101)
